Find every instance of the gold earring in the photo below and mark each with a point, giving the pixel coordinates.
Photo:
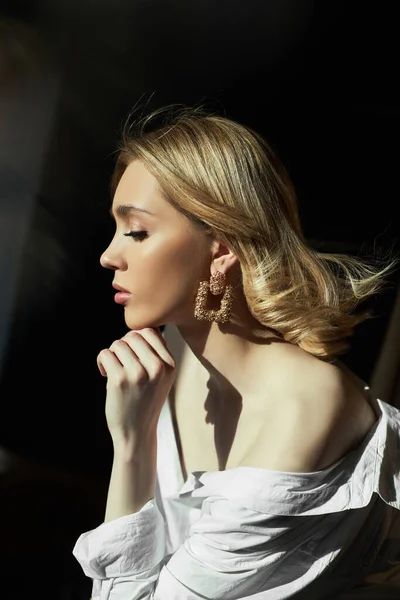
(216, 285)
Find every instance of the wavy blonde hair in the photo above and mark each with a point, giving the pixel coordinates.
(229, 183)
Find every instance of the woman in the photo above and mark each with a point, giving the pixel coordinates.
(247, 462)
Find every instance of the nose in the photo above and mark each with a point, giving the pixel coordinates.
(111, 259)
(106, 261)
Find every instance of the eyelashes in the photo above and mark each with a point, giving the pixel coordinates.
(138, 236)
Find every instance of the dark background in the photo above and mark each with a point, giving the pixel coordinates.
(317, 78)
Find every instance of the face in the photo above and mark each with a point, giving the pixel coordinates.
(158, 258)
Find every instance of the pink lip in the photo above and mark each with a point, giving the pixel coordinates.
(122, 297)
(119, 288)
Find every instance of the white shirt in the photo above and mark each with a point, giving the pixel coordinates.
(256, 533)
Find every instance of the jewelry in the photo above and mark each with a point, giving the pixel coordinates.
(216, 285)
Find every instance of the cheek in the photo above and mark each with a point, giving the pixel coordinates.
(182, 258)
(174, 265)
(188, 262)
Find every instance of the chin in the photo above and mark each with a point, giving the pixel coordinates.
(134, 324)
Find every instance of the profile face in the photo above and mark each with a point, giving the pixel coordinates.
(156, 256)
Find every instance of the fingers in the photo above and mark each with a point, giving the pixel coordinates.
(142, 352)
(122, 364)
(156, 342)
(146, 354)
(136, 358)
(100, 366)
(108, 363)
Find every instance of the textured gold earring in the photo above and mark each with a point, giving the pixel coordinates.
(216, 285)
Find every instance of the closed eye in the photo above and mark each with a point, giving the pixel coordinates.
(138, 236)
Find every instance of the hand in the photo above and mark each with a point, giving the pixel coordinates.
(140, 372)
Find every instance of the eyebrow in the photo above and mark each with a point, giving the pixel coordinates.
(124, 210)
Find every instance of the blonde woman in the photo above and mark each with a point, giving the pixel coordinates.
(248, 462)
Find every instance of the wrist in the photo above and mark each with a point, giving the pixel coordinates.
(132, 447)
(133, 476)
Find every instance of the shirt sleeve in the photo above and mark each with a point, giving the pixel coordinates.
(231, 552)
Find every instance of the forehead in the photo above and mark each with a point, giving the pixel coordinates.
(138, 186)
(138, 193)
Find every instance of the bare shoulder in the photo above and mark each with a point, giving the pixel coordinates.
(321, 415)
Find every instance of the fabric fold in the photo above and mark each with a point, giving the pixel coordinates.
(131, 544)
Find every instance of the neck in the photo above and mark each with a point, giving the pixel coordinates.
(233, 353)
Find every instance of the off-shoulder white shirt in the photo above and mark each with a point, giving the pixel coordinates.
(256, 533)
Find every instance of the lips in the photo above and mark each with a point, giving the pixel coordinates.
(122, 296)
(120, 289)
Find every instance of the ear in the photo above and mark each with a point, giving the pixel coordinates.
(223, 258)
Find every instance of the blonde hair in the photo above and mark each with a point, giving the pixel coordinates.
(229, 183)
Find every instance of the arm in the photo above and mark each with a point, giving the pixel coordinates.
(140, 371)
(133, 476)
